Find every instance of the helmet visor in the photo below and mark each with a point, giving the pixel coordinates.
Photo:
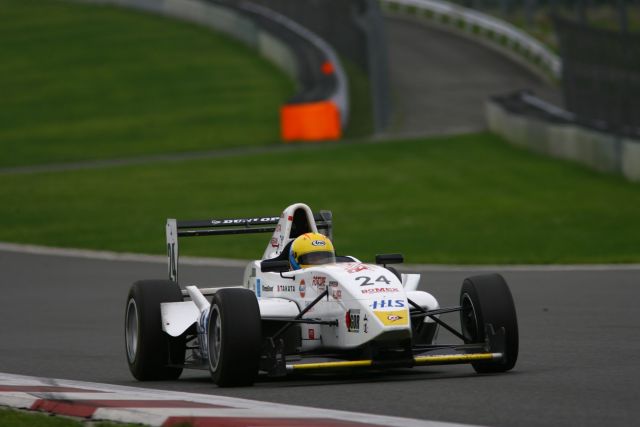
(317, 258)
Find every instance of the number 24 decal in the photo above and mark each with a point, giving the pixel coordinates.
(367, 280)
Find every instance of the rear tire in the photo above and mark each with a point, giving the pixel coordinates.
(148, 348)
(235, 337)
(486, 299)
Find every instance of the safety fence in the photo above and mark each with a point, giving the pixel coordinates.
(493, 32)
(320, 108)
(601, 76)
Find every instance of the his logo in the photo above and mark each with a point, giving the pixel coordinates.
(387, 303)
(318, 243)
(286, 288)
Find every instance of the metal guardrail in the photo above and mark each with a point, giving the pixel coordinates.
(340, 96)
(497, 30)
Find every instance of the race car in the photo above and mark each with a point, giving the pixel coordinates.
(341, 314)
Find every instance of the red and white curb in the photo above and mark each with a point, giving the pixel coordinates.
(104, 402)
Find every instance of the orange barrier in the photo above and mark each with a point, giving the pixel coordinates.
(312, 121)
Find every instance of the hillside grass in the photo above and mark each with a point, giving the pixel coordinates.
(82, 82)
(466, 199)
(14, 418)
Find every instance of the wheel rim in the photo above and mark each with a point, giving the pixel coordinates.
(215, 338)
(469, 320)
(131, 330)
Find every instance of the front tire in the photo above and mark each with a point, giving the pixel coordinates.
(149, 349)
(234, 337)
(486, 299)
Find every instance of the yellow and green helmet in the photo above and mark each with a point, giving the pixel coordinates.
(311, 249)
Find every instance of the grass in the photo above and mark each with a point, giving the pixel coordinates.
(360, 123)
(466, 199)
(80, 82)
(14, 418)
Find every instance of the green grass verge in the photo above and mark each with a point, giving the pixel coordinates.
(82, 82)
(360, 122)
(466, 199)
(14, 418)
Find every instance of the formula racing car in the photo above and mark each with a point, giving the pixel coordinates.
(336, 314)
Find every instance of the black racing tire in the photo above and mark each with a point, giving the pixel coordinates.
(486, 299)
(148, 348)
(234, 337)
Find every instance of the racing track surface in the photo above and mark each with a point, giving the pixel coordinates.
(440, 81)
(62, 317)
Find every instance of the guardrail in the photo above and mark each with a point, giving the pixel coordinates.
(529, 122)
(327, 113)
(496, 33)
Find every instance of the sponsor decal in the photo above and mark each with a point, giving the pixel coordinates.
(243, 220)
(352, 320)
(378, 291)
(393, 318)
(318, 243)
(336, 293)
(274, 242)
(365, 324)
(258, 287)
(267, 288)
(312, 334)
(286, 288)
(290, 218)
(319, 282)
(302, 288)
(387, 303)
(278, 228)
(354, 268)
(333, 284)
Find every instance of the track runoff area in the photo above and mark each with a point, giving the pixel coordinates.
(102, 402)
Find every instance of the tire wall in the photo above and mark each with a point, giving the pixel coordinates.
(331, 110)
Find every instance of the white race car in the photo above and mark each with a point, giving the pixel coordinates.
(343, 315)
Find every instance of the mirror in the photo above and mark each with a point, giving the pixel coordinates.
(385, 259)
(274, 266)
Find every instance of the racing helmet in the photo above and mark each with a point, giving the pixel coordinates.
(311, 249)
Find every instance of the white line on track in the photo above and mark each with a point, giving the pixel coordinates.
(225, 262)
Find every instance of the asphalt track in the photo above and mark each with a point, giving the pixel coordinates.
(440, 81)
(62, 317)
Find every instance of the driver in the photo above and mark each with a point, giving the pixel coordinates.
(311, 249)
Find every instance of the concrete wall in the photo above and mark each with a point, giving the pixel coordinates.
(598, 150)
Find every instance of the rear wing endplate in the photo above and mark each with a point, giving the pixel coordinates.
(216, 227)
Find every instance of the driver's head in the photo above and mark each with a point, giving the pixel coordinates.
(311, 249)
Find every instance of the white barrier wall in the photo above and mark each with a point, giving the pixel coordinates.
(492, 32)
(598, 150)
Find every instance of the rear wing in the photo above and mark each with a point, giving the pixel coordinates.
(224, 226)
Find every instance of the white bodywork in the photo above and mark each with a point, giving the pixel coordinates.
(368, 301)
